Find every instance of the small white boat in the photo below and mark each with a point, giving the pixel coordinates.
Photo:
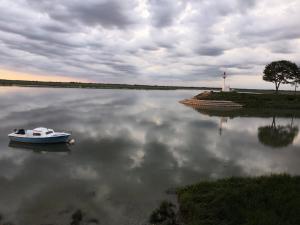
(39, 135)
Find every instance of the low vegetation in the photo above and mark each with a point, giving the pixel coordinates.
(267, 200)
(96, 85)
(165, 214)
(251, 100)
(244, 201)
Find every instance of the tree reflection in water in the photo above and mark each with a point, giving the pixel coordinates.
(277, 136)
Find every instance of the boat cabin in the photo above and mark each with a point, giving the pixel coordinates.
(41, 131)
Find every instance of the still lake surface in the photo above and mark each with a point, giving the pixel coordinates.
(131, 147)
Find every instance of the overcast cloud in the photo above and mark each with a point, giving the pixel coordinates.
(148, 41)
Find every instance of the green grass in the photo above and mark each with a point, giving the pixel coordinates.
(272, 200)
(250, 100)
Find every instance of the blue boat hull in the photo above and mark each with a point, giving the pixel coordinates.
(43, 140)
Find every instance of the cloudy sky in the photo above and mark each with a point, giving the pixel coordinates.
(176, 42)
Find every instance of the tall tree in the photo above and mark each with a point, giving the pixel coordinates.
(280, 72)
(296, 79)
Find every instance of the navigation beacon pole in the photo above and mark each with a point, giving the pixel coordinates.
(224, 78)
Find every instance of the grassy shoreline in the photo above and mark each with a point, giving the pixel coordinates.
(256, 101)
(265, 200)
(262, 200)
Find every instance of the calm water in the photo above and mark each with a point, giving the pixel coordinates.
(131, 146)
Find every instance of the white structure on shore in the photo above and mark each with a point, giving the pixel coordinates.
(224, 87)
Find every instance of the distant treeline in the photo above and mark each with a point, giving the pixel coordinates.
(96, 85)
(25, 83)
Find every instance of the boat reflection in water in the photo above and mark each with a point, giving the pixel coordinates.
(61, 148)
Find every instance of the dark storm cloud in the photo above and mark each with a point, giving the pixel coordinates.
(163, 13)
(206, 72)
(105, 13)
(122, 67)
(146, 41)
(246, 4)
(210, 51)
(270, 33)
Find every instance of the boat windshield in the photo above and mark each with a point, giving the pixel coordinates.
(49, 132)
(20, 131)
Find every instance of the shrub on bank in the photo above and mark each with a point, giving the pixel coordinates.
(242, 201)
